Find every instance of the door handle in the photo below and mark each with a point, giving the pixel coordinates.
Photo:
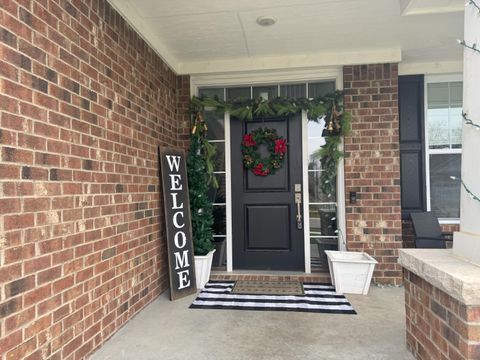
(298, 203)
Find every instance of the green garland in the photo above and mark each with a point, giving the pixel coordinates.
(329, 107)
(276, 145)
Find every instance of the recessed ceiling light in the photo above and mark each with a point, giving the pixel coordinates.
(266, 20)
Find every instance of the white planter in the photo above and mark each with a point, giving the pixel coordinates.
(351, 272)
(203, 265)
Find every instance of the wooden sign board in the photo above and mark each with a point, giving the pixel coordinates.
(178, 222)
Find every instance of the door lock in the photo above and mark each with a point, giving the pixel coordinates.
(298, 203)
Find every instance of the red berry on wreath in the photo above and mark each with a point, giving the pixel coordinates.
(280, 146)
(248, 140)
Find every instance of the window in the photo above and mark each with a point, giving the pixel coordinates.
(322, 207)
(443, 146)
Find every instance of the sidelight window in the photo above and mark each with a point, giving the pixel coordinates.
(322, 207)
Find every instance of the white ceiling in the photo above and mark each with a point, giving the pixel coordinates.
(196, 36)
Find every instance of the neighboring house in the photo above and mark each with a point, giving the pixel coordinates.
(87, 97)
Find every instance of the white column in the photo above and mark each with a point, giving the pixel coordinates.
(467, 242)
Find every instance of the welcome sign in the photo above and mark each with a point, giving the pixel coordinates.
(178, 223)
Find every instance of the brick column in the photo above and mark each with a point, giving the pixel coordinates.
(438, 325)
(372, 166)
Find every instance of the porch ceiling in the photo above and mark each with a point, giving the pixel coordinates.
(222, 35)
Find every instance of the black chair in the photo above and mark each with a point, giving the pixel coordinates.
(428, 233)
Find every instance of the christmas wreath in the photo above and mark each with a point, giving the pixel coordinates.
(276, 145)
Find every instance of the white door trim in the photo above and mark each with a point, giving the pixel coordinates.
(306, 205)
(228, 194)
(341, 201)
(266, 77)
(342, 224)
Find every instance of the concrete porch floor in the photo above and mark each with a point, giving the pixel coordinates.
(167, 330)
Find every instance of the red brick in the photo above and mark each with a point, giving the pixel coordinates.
(47, 159)
(10, 341)
(46, 101)
(85, 349)
(16, 27)
(19, 286)
(50, 246)
(19, 319)
(8, 71)
(36, 204)
(62, 284)
(45, 130)
(72, 345)
(15, 90)
(49, 275)
(38, 325)
(473, 313)
(48, 305)
(31, 142)
(8, 205)
(37, 264)
(9, 171)
(18, 221)
(10, 272)
(58, 147)
(37, 295)
(24, 349)
(7, 137)
(64, 338)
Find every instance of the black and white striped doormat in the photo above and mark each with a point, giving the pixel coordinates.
(320, 298)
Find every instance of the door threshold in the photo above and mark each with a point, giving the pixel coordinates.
(270, 275)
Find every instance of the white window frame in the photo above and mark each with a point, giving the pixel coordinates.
(268, 78)
(429, 80)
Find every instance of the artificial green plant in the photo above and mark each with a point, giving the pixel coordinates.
(200, 164)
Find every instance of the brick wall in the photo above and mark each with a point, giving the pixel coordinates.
(84, 104)
(439, 326)
(183, 112)
(372, 166)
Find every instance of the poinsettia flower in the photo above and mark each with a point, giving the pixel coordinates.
(258, 170)
(248, 140)
(280, 146)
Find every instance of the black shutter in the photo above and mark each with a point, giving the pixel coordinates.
(412, 144)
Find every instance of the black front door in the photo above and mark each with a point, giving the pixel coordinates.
(266, 235)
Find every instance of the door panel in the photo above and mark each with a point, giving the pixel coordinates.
(265, 233)
(267, 227)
